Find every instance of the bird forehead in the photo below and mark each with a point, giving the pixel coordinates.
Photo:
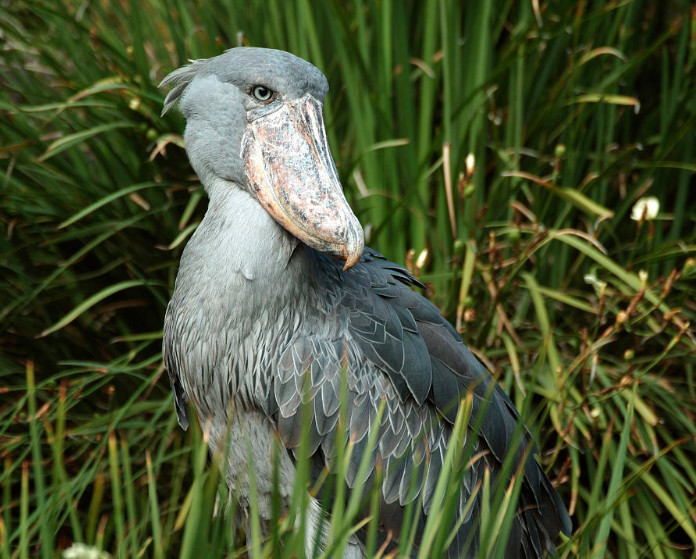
(277, 70)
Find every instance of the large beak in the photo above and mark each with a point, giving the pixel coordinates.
(291, 172)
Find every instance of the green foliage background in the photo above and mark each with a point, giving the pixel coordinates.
(571, 112)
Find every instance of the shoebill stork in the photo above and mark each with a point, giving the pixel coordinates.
(277, 303)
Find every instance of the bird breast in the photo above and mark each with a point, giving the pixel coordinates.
(230, 310)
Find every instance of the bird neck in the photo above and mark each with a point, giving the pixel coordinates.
(239, 238)
(238, 264)
(239, 285)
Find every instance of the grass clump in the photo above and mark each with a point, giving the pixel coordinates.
(497, 148)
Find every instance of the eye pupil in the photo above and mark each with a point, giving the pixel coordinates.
(262, 93)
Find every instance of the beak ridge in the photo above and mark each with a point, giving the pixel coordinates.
(291, 172)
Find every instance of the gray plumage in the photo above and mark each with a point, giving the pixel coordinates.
(262, 322)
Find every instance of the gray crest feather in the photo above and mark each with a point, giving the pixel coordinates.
(182, 77)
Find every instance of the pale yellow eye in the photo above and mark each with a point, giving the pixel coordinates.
(262, 93)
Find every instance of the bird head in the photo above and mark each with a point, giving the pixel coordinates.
(254, 120)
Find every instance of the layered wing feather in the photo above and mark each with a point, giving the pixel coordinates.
(395, 347)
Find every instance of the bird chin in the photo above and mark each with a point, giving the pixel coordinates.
(290, 170)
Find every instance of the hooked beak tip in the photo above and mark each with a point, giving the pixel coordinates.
(354, 247)
(351, 261)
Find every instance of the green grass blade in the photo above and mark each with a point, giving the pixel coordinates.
(90, 302)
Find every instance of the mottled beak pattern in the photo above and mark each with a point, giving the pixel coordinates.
(291, 172)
